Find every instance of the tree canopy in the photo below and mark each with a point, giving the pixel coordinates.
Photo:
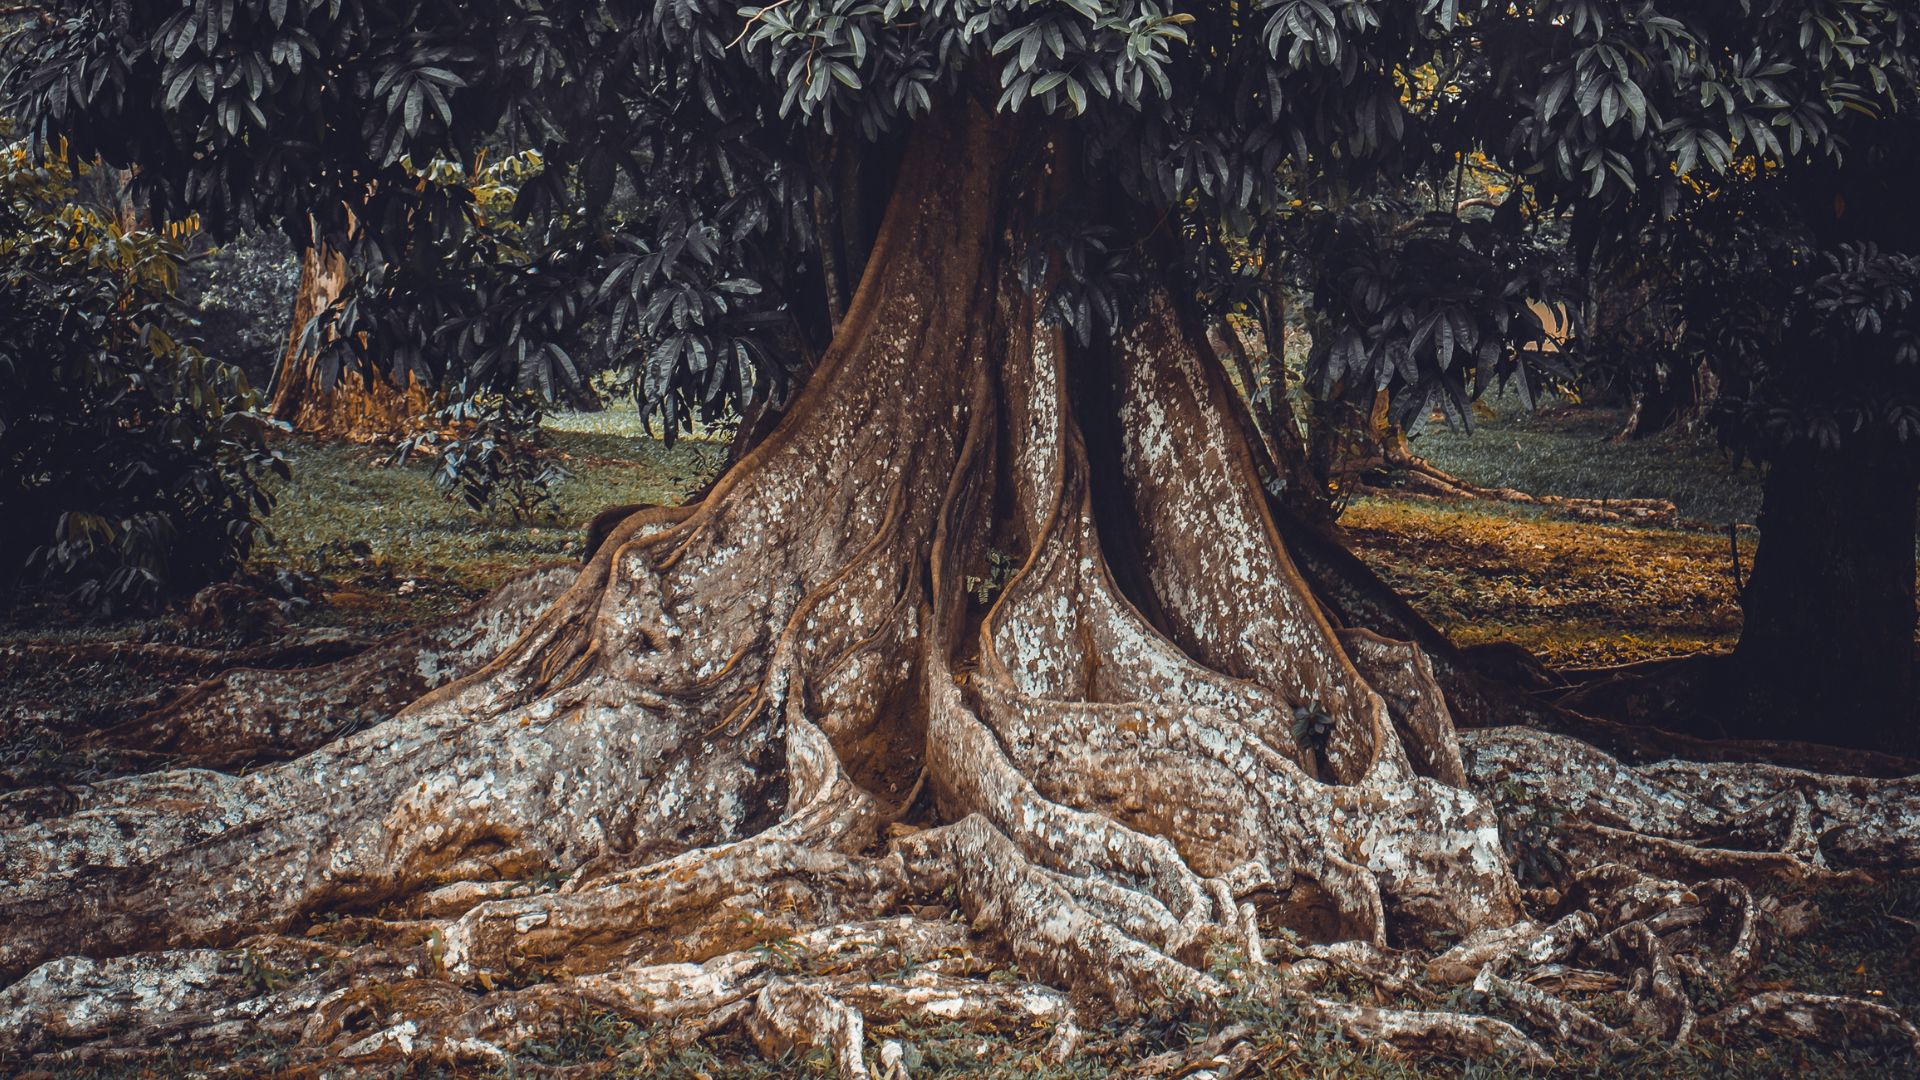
(681, 179)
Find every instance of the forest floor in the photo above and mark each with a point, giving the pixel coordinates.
(1578, 593)
(367, 548)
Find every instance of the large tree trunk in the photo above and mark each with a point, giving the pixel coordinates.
(815, 709)
(1827, 650)
(361, 407)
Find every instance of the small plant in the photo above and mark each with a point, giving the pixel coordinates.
(262, 975)
(494, 454)
(775, 945)
(436, 949)
(1312, 726)
(1000, 570)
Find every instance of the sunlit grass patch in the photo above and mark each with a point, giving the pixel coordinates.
(1576, 593)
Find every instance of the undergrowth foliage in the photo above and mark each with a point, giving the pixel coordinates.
(131, 463)
(493, 454)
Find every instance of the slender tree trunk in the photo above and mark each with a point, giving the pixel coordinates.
(882, 703)
(1827, 649)
(1273, 424)
(356, 406)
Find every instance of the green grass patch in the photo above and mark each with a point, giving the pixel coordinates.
(1570, 451)
(399, 552)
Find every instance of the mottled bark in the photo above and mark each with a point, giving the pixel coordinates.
(741, 769)
(358, 406)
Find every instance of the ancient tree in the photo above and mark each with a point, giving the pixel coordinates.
(993, 644)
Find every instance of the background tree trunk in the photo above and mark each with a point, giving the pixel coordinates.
(1661, 398)
(1827, 650)
(358, 406)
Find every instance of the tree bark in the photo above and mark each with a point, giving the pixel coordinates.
(1661, 399)
(361, 407)
(1827, 648)
(882, 671)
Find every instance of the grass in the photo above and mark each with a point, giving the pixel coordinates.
(1562, 450)
(400, 553)
(1865, 943)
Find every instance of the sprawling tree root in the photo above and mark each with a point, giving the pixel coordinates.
(1419, 477)
(691, 791)
(251, 714)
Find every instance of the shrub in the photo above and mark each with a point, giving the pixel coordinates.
(494, 455)
(131, 463)
(240, 292)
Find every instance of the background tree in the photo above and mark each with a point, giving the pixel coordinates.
(1787, 279)
(1005, 573)
(310, 391)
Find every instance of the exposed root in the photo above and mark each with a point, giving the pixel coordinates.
(1523, 942)
(1756, 822)
(1815, 1018)
(1417, 476)
(1566, 1023)
(1434, 1034)
(251, 714)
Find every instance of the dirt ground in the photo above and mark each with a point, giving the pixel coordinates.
(1578, 594)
